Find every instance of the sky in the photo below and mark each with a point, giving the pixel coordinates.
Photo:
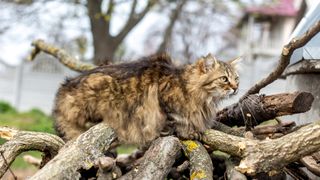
(15, 43)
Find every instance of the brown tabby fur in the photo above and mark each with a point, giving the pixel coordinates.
(139, 98)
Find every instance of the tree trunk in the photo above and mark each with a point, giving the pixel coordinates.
(104, 48)
(105, 45)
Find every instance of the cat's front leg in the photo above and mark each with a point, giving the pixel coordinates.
(183, 129)
(187, 133)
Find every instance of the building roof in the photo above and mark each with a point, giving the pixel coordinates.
(311, 49)
(278, 8)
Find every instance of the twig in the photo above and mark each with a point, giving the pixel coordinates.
(65, 58)
(287, 51)
(5, 161)
(311, 164)
(183, 166)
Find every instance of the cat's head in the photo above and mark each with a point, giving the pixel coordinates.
(217, 78)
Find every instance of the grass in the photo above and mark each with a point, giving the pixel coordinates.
(33, 120)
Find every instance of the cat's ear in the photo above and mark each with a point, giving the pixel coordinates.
(211, 61)
(201, 65)
(235, 62)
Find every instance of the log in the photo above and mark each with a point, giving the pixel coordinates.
(78, 155)
(311, 164)
(200, 162)
(259, 108)
(157, 161)
(231, 172)
(20, 141)
(269, 155)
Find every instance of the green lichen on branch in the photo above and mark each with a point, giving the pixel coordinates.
(200, 162)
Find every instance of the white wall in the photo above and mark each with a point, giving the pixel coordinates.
(37, 89)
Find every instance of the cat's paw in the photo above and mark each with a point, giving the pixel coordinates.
(195, 136)
(190, 136)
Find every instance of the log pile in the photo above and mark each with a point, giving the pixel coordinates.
(239, 145)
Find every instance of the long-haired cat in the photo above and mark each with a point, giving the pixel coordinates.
(139, 98)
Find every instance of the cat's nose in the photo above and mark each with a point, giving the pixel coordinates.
(234, 87)
(235, 91)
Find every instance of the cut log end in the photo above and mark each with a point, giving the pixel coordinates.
(303, 102)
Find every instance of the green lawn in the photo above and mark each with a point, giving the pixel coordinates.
(33, 120)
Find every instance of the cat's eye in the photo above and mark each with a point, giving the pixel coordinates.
(224, 78)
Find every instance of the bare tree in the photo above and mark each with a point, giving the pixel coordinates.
(105, 44)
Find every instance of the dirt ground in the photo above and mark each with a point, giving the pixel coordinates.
(19, 173)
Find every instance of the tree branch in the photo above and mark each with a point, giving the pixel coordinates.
(20, 141)
(133, 20)
(267, 155)
(168, 32)
(157, 161)
(78, 155)
(259, 108)
(200, 161)
(108, 16)
(65, 58)
(287, 51)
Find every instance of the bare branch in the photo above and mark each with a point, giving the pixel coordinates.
(200, 162)
(78, 155)
(311, 164)
(264, 156)
(20, 141)
(284, 59)
(65, 58)
(108, 16)
(168, 32)
(231, 172)
(133, 20)
(157, 161)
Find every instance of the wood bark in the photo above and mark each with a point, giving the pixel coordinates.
(157, 161)
(259, 108)
(200, 162)
(78, 155)
(311, 164)
(20, 141)
(267, 155)
(287, 51)
(231, 172)
(65, 58)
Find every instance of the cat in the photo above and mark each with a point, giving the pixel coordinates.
(140, 98)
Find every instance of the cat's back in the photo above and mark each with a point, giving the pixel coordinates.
(153, 67)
